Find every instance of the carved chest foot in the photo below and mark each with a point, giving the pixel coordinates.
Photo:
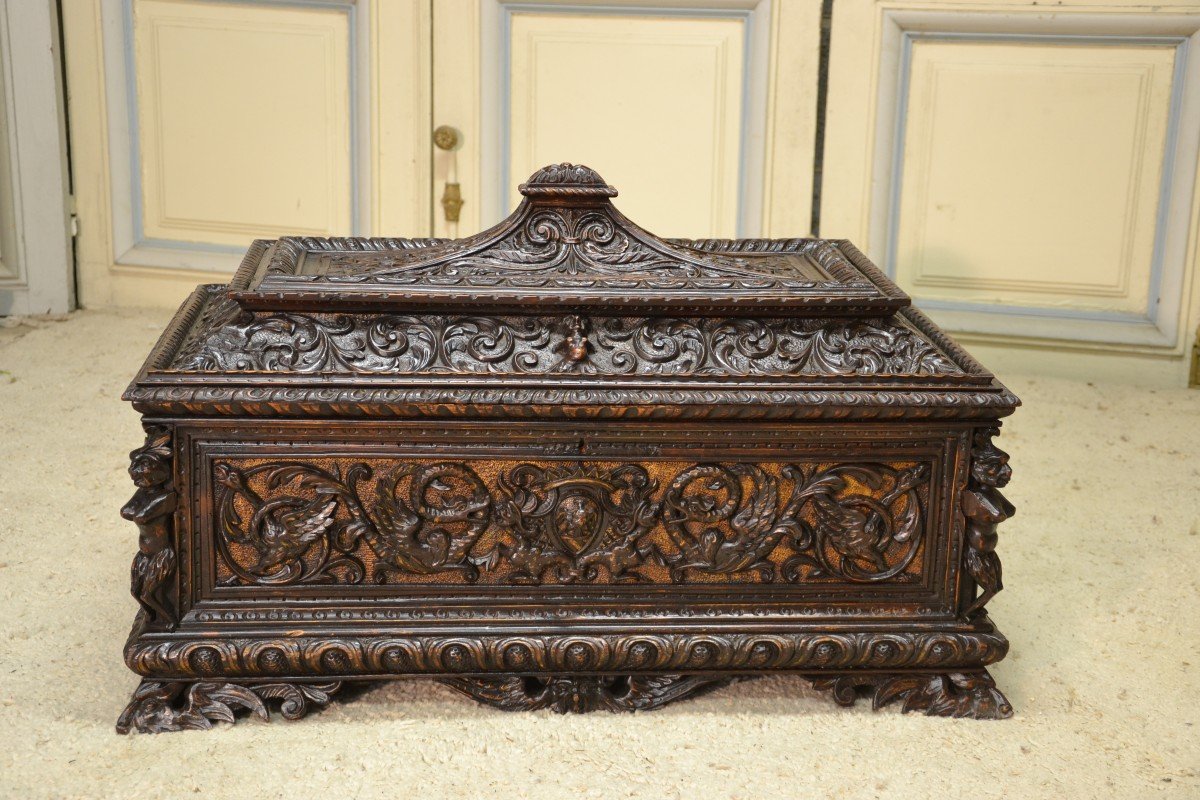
(159, 707)
(957, 694)
(563, 448)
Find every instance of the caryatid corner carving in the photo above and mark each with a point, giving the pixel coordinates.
(152, 509)
(985, 508)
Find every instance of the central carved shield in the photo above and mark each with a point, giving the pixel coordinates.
(578, 521)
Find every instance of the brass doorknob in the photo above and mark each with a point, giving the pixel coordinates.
(445, 137)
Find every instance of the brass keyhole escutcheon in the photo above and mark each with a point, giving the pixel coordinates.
(452, 201)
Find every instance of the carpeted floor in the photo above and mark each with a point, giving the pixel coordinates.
(1101, 564)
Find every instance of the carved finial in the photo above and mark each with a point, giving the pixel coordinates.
(566, 179)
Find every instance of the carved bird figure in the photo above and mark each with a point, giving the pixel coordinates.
(289, 527)
(282, 529)
(426, 535)
(853, 530)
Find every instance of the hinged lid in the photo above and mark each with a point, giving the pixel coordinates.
(567, 248)
(565, 310)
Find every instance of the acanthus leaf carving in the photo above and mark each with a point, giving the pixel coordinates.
(578, 694)
(430, 344)
(955, 694)
(163, 706)
(571, 247)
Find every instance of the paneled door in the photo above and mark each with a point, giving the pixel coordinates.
(200, 125)
(35, 240)
(1029, 177)
(711, 104)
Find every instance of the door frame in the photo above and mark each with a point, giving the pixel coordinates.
(40, 279)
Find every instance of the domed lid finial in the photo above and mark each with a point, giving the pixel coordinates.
(566, 179)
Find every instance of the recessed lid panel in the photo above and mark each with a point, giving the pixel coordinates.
(566, 247)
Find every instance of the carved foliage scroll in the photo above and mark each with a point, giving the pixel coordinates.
(971, 694)
(572, 247)
(342, 521)
(583, 693)
(163, 706)
(430, 344)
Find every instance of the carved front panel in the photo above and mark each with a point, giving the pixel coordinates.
(385, 521)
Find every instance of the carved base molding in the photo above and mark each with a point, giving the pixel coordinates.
(324, 658)
(196, 676)
(580, 694)
(159, 707)
(956, 694)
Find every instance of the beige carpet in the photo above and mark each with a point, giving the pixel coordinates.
(1101, 564)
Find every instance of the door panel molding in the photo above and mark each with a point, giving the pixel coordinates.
(868, 118)
(1154, 324)
(132, 247)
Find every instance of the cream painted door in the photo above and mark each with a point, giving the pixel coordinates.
(199, 125)
(702, 115)
(35, 241)
(1028, 176)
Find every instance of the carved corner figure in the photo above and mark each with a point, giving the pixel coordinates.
(151, 509)
(985, 508)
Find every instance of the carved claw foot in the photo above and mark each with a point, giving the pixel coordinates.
(957, 694)
(579, 694)
(158, 707)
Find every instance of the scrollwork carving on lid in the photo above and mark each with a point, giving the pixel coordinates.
(413, 344)
(566, 235)
(576, 248)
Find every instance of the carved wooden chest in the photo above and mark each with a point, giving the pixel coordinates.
(561, 464)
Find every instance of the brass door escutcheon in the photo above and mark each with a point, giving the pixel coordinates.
(452, 201)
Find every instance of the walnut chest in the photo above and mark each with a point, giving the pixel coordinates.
(561, 464)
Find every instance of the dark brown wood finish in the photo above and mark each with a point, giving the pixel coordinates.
(561, 464)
